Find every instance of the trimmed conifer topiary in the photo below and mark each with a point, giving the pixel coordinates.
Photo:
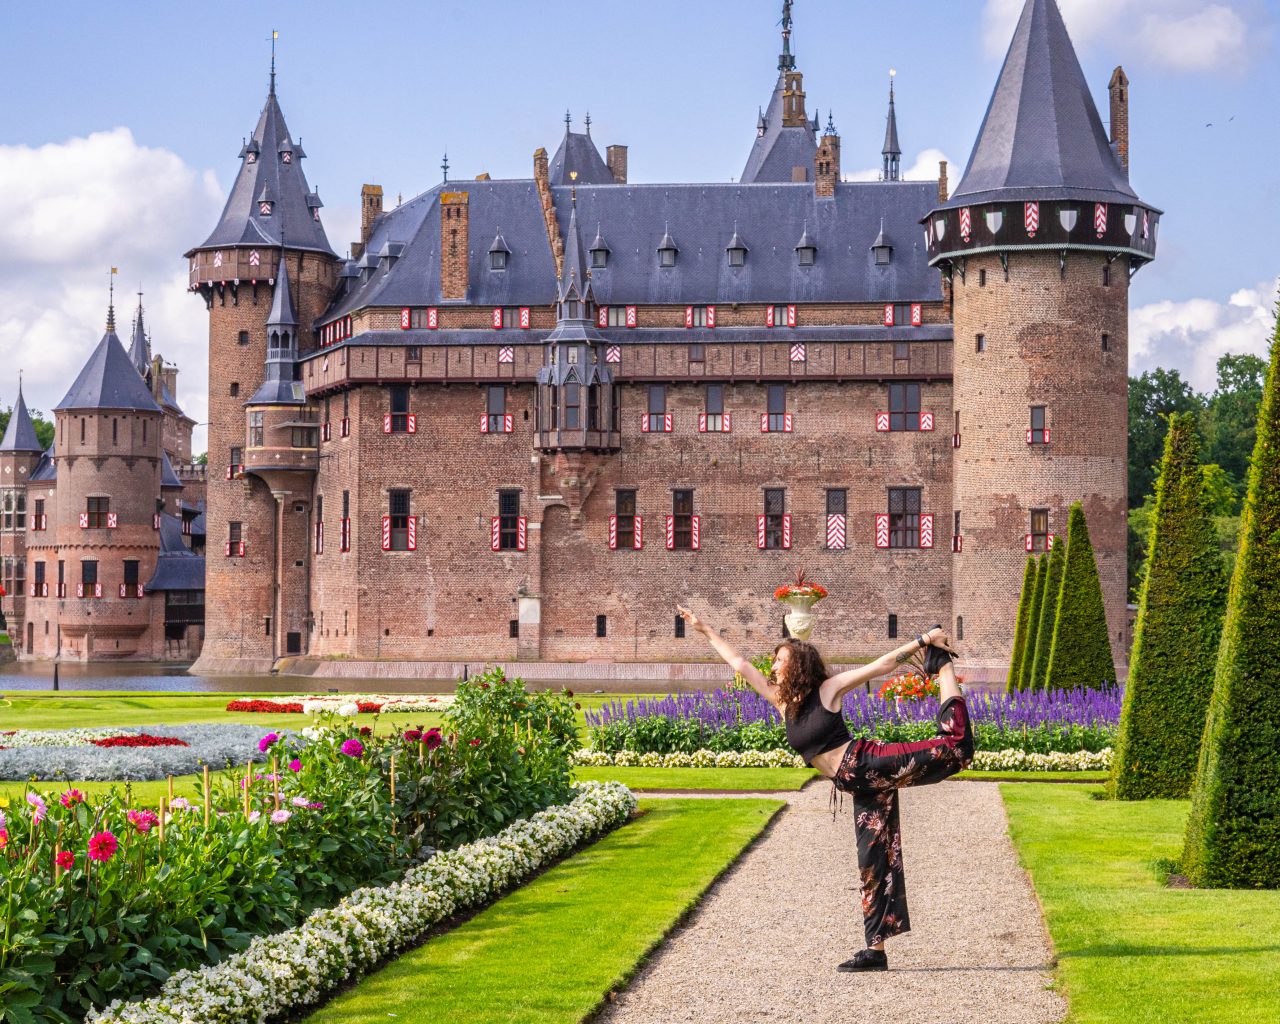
(1033, 622)
(1020, 628)
(1175, 642)
(1048, 611)
(1233, 831)
(1080, 654)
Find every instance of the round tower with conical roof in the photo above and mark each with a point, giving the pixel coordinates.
(269, 228)
(1038, 244)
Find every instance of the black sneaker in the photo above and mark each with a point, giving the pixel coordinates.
(866, 960)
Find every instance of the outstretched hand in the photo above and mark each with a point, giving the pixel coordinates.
(693, 621)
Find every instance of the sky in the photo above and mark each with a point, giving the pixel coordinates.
(122, 123)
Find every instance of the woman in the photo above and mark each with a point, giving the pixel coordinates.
(810, 701)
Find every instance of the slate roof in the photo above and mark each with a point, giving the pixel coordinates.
(20, 434)
(109, 380)
(284, 184)
(168, 478)
(177, 567)
(891, 144)
(779, 149)
(140, 347)
(578, 152)
(278, 386)
(1042, 137)
(46, 470)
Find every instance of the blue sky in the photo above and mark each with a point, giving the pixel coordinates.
(123, 123)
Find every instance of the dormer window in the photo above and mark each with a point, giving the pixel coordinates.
(737, 250)
(264, 202)
(883, 254)
(499, 253)
(286, 156)
(806, 249)
(599, 252)
(667, 250)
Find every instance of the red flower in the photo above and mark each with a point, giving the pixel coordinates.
(413, 735)
(366, 730)
(475, 743)
(141, 740)
(65, 860)
(103, 846)
(433, 738)
(267, 706)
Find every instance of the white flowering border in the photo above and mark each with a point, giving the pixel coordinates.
(284, 972)
(983, 761)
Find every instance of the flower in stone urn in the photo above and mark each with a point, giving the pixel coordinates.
(800, 597)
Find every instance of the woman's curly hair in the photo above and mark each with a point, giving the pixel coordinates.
(805, 672)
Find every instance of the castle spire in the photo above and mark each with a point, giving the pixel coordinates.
(274, 36)
(892, 152)
(282, 346)
(786, 59)
(786, 138)
(20, 435)
(140, 346)
(111, 302)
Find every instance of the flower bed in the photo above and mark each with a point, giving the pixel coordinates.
(364, 703)
(784, 757)
(296, 968)
(740, 720)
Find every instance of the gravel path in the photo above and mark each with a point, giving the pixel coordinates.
(764, 943)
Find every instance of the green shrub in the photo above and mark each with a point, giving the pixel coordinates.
(1080, 654)
(1022, 625)
(1033, 623)
(1048, 608)
(1175, 644)
(1233, 830)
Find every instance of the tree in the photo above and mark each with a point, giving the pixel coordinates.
(1033, 622)
(1021, 625)
(1153, 397)
(1230, 417)
(44, 428)
(1233, 830)
(1052, 572)
(1175, 643)
(1080, 653)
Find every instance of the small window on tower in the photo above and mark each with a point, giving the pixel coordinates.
(982, 278)
(244, 338)
(1106, 275)
(1039, 529)
(1106, 343)
(235, 392)
(893, 626)
(980, 343)
(602, 626)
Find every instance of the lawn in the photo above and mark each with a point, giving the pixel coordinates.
(1130, 950)
(701, 778)
(1093, 777)
(551, 951)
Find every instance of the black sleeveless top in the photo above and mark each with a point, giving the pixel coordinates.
(813, 730)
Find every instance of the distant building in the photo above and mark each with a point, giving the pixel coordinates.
(527, 417)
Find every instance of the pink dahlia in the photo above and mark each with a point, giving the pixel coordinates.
(265, 743)
(432, 738)
(72, 797)
(295, 765)
(103, 846)
(280, 817)
(65, 860)
(143, 821)
(353, 748)
(4, 839)
(41, 808)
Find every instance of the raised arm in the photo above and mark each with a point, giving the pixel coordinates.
(838, 685)
(731, 657)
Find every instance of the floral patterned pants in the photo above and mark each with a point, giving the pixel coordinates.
(874, 772)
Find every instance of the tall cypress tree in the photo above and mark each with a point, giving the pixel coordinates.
(1080, 654)
(1048, 610)
(1175, 642)
(1020, 628)
(1233, 831)
(1033, 622)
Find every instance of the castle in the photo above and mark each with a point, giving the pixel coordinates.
(526, 417)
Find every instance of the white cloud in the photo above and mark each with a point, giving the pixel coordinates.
(1190, 336)
(1180, 35)
(924, 169)
(69, 212)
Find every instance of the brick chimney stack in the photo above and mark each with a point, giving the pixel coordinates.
(616, 158)
(826, 163)
(943, 187)
(1119, 89)
(455, 244)
(370, 207)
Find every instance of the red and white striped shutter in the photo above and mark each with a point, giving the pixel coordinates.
(888, 314)
(711, 316)
(926, 531)
(97, 590)
(639, 543)
(644, 423)
(140, 590)
(484, 423)
(240, 549)
(413, 533)
(696, 522)
(228, 549)
(412, 423)
(79, 590)
(31, 590)
(788, 421)
(836, 534)
(764, 423)
(346, 426)
(957, 544)
(966, 224)
(497, 318)
(386, 423)
(798, 352)
(507, 354)
(671, 533)
(1028, 435)
(882, 530)
(123, 591)
(1027, 541)
(1100, 218)
(1049, 542)
(688, 316)
(632, 316)
(768, 316)
(702, 423)
(728, 422)
(613, 354)
(113, 520)
(602, 316)
(1046, 435)
(406, 318)
(433, 318)
(668, 422)
(1031, 217)
(786, 531)
(346, 535)
(495, 533)
(882, 422)
(508, 423)
(319, 538)
(84, 520)
(525, 319)
(326, 431)
(791, 316)
(926, 421)
(917, 314)
(386, 533)
(955, 440)
(613, 533)
(522, 533)
(760, 532)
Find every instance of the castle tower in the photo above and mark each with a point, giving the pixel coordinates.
(786, 139)
(891, 152)
(19, 454)
(270, 227)
(1038, 243)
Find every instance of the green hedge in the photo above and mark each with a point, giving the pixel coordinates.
(1048, 608)
(1081, 651)
(1175, 643)
(1033, 622)
(1022, 625)
(1233, 831)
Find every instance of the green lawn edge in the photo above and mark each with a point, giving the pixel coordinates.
(735, 779)
(1129, 949)
(551, 951)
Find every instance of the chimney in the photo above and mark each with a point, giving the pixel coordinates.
(943, 193)
(616, 157)
(370, 207)
(455, 244)
(1119, 89)
(826, 164)
(542, 180)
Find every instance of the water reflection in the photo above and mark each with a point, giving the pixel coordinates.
(174, 678)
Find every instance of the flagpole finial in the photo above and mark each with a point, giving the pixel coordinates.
(111, 301)
(444, 165)
(274, 36)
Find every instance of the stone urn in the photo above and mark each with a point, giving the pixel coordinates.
(800, 617)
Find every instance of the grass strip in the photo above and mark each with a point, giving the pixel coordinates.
(551, 951)
(1092, 777)
(1131, 950)
(740, 779)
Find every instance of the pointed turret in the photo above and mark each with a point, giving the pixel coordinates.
(140, 347)
(892, 151)
(786, 139)
(279, 387)
(109, 379)
(20, 434)
(575, 284)
(577, 161)
(270, 198)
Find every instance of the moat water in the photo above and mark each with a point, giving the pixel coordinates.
(175, 678)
